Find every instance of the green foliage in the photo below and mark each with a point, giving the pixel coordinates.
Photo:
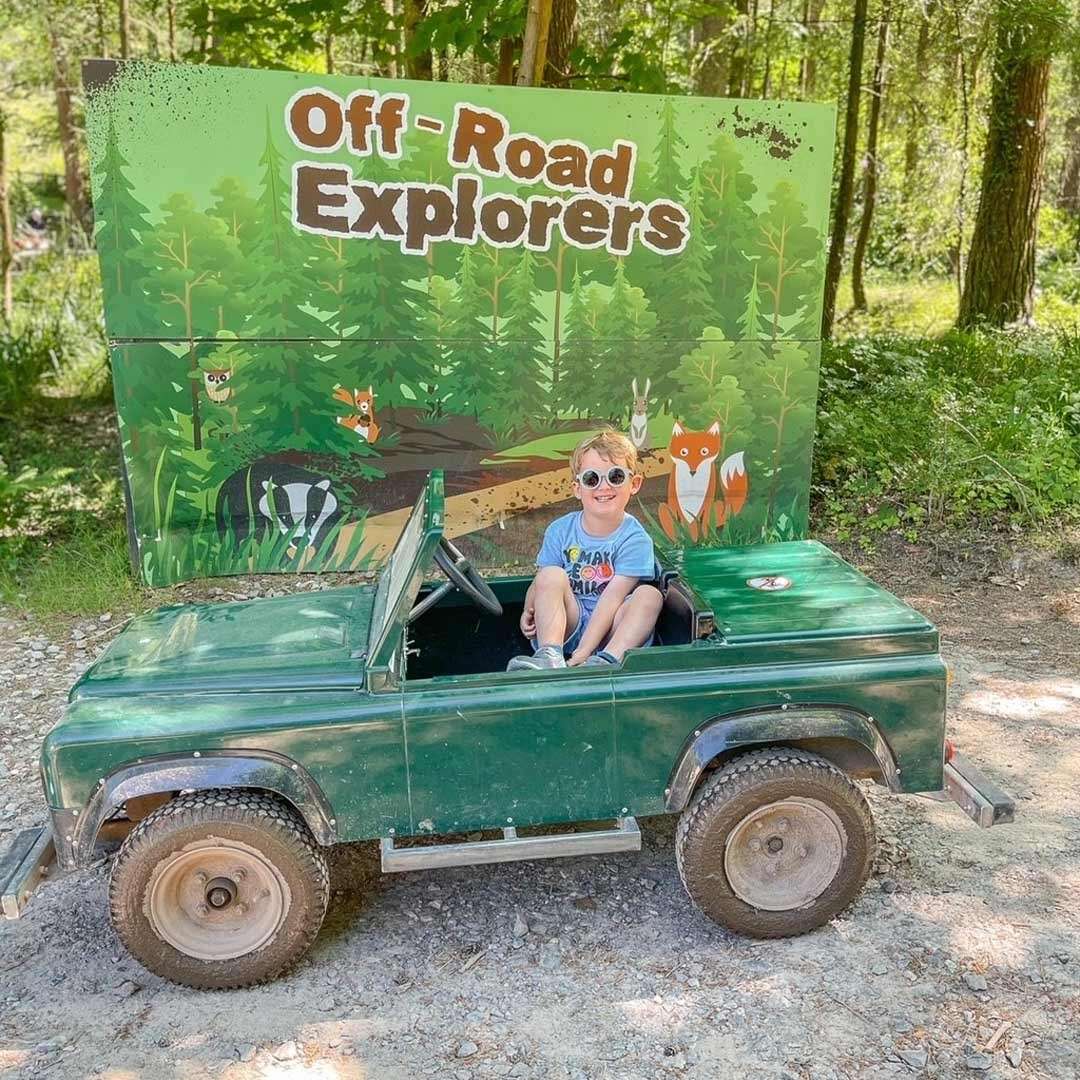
(708, 380)
(972, 428)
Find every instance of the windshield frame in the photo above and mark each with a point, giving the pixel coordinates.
(394, 599)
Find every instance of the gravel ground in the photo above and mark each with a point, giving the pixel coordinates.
(961, 958)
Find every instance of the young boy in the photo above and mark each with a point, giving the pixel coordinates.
(585, 605)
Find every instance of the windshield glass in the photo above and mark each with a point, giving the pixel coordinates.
(403, 574)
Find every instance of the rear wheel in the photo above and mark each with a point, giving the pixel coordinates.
(219, 889)
(775, 843)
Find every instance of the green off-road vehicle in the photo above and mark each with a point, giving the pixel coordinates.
(233, 743)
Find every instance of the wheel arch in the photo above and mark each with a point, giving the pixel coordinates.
(76, 831)
(850, 739)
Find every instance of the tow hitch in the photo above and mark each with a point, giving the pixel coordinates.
(979, 797)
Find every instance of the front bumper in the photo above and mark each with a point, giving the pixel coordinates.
(979, 797)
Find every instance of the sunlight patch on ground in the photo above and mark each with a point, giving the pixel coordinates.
(1043, 698)
(313, 1070)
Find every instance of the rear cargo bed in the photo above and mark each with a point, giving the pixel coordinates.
(798, 591)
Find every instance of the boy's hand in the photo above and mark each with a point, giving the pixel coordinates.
(528, 621)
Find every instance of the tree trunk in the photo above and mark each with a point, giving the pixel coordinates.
(768, 50)
(125, 30)
(1069, 191)
(170, 12)
(7, 242)
(739, 64)
(534, 43)
(69, 138)
(328, 52)
(999, 282)
(417, 65)
(560, 42)
(870, 170)
(102, 36)
(914, 127)
(444, 66)
(507, 49)
(847, 170)
(207, 44)
(711, 72)
(808, 65)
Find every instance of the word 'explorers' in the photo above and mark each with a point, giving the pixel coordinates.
(328, 199)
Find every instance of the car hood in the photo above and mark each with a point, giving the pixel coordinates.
(309, 639)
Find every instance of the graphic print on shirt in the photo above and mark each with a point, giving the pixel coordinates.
(589, 570)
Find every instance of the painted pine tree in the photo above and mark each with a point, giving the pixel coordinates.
(120, 233)
(647, 270)
(784, 392)
(470, 355)
(289, 404)
(581, 360)
(425, 163)
(188, 261)
(383, 303)
(788, 266)
(709, 381)
(728, 224)
(521, 358)
(234, 206)
(681, 291)
(625, 324)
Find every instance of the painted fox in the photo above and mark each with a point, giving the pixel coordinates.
(692, 498)
(362, 422)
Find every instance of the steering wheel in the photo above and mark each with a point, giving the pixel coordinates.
(462, 575)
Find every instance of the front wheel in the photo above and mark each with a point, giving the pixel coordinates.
(776, 843)
(219, 889)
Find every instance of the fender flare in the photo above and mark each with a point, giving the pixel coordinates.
(76, 831)
(770, 727)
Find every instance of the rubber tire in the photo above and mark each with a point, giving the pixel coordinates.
(263, 822)
(735, 790)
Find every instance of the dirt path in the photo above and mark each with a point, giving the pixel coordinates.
(599, 967)
(478, 509)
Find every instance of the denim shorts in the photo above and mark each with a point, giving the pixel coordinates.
(584, 615)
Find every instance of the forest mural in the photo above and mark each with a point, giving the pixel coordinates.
(318, 288)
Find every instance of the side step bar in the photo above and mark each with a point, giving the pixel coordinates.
(979, 797)
(626, 836)
(22, 866)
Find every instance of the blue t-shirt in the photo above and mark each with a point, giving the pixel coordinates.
(592, 561)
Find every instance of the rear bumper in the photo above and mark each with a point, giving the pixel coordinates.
(23, 865)
(979, 797)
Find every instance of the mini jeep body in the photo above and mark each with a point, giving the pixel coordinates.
(230, 744)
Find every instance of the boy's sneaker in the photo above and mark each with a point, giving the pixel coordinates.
(599, 659)
(547, 656)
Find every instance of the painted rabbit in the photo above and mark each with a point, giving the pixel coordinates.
(639, 420)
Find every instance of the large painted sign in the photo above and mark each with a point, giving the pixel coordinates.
(317, 288)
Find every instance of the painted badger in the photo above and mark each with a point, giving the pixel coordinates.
(303, 507)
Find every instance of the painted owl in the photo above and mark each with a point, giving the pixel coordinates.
(216, 380)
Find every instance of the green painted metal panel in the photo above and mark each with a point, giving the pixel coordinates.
(295, 339)
(825, 597)
(525, 749)
(350, 742)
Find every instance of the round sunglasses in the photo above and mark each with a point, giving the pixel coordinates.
(616, 476)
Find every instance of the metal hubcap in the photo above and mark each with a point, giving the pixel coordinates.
(784, 854)
(216, 899)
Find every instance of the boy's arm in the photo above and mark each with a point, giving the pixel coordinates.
(615, 592)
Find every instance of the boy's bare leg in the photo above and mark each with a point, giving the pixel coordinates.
(556, 606)
(634, 621)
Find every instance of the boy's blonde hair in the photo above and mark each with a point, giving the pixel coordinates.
(611, 445)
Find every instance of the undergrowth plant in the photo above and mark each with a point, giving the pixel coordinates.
(969, 429)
